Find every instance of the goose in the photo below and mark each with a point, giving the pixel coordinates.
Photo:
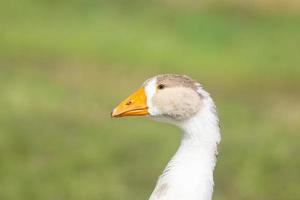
(182, 101)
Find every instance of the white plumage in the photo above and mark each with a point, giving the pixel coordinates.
(183, 102)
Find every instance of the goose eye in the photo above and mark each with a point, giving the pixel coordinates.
(161, 86)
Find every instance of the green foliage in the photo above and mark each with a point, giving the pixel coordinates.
(65, 64)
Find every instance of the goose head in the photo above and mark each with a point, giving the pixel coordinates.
(181, 101)
(169, 97)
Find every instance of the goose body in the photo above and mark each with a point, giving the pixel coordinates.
(183, 102)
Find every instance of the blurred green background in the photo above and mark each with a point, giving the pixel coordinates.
(65, 64)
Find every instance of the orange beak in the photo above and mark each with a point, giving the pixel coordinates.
(134, 105)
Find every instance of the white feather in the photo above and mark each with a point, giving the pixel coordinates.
(189, 174)
(150, 89)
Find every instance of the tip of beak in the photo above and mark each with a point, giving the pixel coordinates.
(113, 113)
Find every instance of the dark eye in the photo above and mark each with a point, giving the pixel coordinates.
(161, 86)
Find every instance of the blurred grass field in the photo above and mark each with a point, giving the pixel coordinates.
(65, 64)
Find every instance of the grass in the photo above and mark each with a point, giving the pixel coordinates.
(63, 68)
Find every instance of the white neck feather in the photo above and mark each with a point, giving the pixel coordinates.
(189, 174)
